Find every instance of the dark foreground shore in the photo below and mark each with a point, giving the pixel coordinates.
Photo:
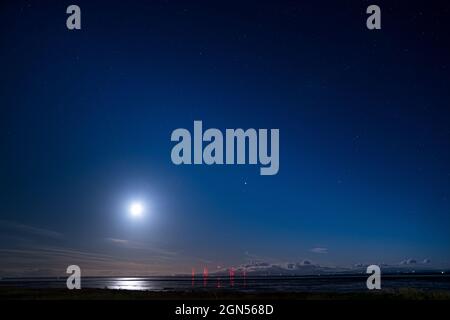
(12, 293)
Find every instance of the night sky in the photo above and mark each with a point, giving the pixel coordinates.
(86, 118)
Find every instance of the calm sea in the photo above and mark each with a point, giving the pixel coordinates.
(334, 283)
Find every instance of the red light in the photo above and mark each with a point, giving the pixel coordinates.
(205, 276)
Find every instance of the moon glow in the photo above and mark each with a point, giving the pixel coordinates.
(136, 209)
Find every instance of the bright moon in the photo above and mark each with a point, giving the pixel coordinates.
(136, 209)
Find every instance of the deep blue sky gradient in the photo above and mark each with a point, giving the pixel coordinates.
(364, 120)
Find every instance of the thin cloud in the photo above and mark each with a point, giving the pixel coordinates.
(319, 250)
(130, 244)
(53, 261)
(23, 228)
(408, 261)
